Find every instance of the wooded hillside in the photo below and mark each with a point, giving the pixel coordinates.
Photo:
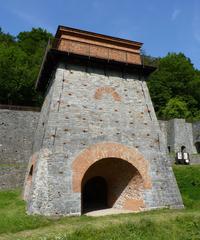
(20, 59)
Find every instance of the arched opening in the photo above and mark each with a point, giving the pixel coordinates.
(94, 194)
(112, 183)
(197, 145)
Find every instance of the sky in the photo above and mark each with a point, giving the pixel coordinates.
(163, 26)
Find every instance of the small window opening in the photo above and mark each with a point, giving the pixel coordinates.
(31, 171)
(169, 149)
(197, 145)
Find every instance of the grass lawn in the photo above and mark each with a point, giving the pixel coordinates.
(160, 224)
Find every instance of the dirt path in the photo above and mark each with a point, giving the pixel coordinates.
(108, 211)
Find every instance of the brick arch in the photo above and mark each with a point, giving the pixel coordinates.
(107, 90)
(100, 151)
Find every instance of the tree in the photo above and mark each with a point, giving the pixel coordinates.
(194, 86)
(16, 84)
(6, 38)
(176, 108)
(33, 41)
(20, 59)
(175, 78)
(149, 60)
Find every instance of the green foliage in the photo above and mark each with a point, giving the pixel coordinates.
(149, 60)
(176, 108)
(20, 59)
(175, 84)
(34, 41)
(6, 38)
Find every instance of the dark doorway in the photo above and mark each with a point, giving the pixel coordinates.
(197, 145)
(94, 194)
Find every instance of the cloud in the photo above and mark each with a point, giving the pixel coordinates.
(175, 14)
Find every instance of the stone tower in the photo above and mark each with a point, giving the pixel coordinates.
(98, 143)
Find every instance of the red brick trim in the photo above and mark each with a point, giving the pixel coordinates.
(99, 151)
(108, 90)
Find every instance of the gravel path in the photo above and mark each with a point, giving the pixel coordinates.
(108, 211)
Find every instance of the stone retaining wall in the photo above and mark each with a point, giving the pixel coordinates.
(16, 138)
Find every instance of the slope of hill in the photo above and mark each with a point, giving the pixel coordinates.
(160, 224)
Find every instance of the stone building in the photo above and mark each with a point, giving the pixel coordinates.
(182, 136)
(98, 143)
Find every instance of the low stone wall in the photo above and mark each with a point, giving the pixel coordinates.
(16, 139)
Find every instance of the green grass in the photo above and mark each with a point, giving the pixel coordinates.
(188, 179)
(12, 214)
(160, 224)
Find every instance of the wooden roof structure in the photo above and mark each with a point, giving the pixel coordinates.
(71, 44)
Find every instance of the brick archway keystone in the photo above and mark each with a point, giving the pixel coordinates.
(99, 151)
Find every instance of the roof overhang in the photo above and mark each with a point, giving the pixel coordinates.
(54, 57)
(83, 47)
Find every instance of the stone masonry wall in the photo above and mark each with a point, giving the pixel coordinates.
(87, 106)
(16, 138)
(183, 136)
(179, 133)
(196, 132)
(17, 130)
